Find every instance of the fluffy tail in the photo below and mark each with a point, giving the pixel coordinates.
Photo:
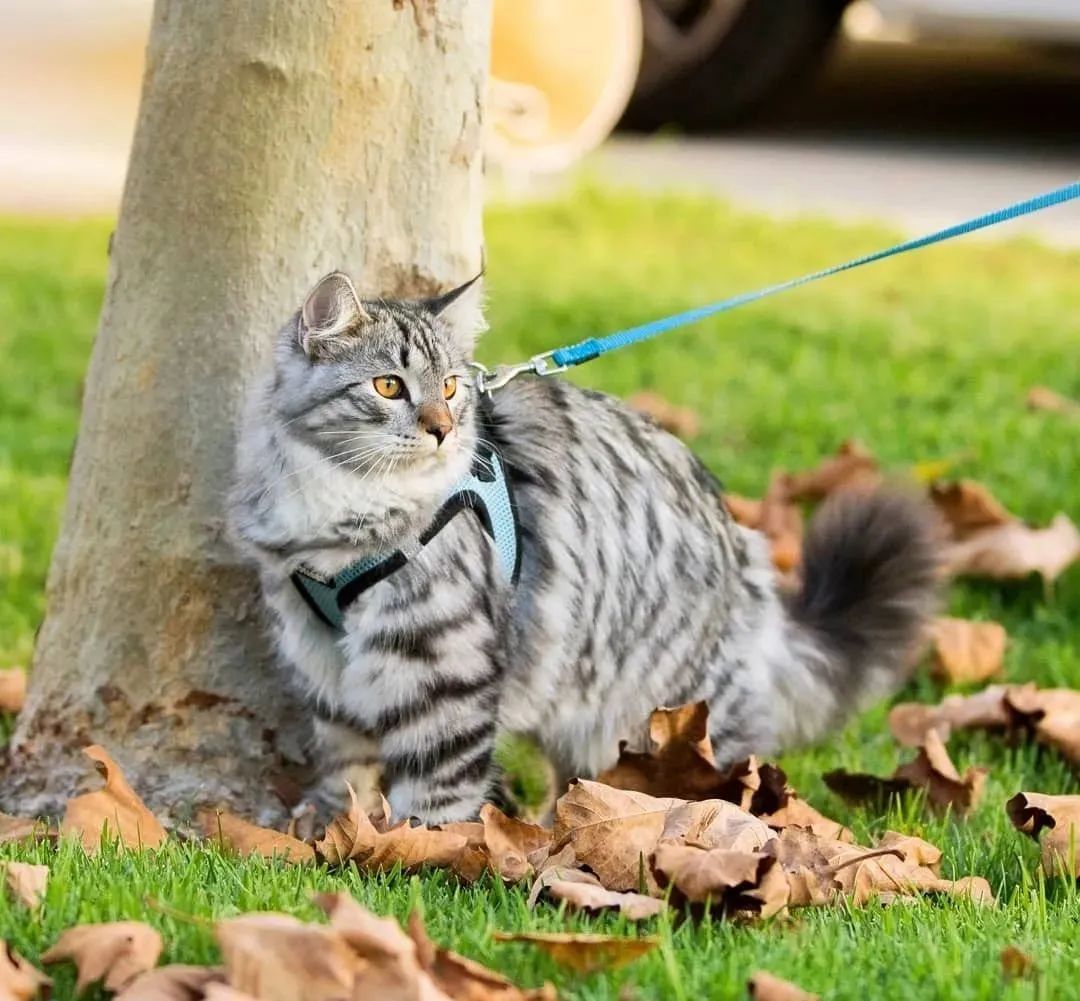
(870, 585)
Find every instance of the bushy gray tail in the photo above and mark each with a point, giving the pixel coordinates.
(870, 585)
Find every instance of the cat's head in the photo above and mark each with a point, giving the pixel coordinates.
(380, 384)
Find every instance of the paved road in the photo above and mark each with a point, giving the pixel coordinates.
(919, 138)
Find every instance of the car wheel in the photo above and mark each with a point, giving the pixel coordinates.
(711, 63)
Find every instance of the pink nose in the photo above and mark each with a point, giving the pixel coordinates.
(435, 419)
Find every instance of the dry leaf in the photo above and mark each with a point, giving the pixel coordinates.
(583, 952)
(715, 823)
(216, 991)
(276, 957)
(745, 510)
(737, 882)
(1044, 398)
(910, 722)
(1014, 551)
(1016, 964)
(509, 842)
(781, 523)
(234, 834)
(852, 467)
(968, 507)
(115, 953)
(12, 689)
(764, 986)
(581, 890)
(932, 770)
(20, 829)
(19, 979)
(115, 809)
(172, 983)
(1052, 714)
(25, 881)
(354, 837)
(1032, 812)
(681, 421)
(966, 652)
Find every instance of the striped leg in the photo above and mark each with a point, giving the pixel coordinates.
(350, 755)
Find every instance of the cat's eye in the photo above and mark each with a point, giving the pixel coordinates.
(389, 386)
(449, 386)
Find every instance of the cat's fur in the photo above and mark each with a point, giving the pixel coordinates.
(637, 589)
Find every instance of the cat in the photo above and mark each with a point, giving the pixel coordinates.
(635, 588)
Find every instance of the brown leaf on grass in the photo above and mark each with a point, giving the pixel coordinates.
(968, 507)
(508, 842)
(177, 982)
(737, 882)
(781, 523)
(1014, 550)
(26, 882)
(680, 421)
(764, 986)
(1034, 812)
(115, 809)
(19, 979)
(1044, 398)
(276, 957)
(114, 953)
(714, 823)
(464, 979)
(217, 991)
(581, 890)
(582, 952)
(852, 467)
(1051, 714)
(745, 510)
(932, 771)
(910, 722)
(235, 834)
(1015, 964)
(23, 829)
(12, 689)
(966, 652)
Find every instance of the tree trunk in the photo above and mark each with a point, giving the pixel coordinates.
(275, 142)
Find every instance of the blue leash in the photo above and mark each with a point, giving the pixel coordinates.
(577, 354)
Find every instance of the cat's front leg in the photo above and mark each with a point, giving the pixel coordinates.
(347, 754)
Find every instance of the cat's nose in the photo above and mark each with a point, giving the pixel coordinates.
(435, 419)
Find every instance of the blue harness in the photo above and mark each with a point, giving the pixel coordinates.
(485, 491)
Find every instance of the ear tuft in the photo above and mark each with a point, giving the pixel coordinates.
(462, 310)
(330, 314)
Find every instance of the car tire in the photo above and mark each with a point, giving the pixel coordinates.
(761, 50)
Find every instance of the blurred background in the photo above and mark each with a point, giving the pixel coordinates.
(915, 111)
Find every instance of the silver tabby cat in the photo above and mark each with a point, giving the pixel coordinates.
(636, 589)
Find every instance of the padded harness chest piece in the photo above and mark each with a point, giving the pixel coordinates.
(485, 491)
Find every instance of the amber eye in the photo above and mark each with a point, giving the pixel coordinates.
(389, 386)
(449, 386)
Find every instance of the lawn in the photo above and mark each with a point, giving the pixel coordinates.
(924, 358)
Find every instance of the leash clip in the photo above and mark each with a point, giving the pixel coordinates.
(488, 380)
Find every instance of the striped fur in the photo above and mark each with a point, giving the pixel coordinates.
(637, 589)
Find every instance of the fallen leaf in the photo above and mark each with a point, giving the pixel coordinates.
(737, 882)
(966, 652)
(19, 979)
(745, 510)
(781, 522)
(12, 689)
(852, 467)
(1052, 714)
(20, 829)
(237, 835)
(932, 771)
(968, 507)
(1014, 550)
(355, 838)
(910, 722)
(764, 986)
(217, 991)
(715, 823)
(27, 882)
(680, 421)
(582, 952)
(1033, 812)
(581, 890)
(114, 953)
(1044, 398)
(275, 957)
(1016, 964)
(115, 809)
(509, 842)
(465, 979)
(172, 983)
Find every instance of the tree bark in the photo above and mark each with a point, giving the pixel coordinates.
(275, 142)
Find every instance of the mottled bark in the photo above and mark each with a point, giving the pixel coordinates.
(275, 142)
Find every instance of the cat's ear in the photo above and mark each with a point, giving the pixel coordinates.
(330, 316)
(462, 310)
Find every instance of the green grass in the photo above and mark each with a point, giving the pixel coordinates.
(926, 357)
